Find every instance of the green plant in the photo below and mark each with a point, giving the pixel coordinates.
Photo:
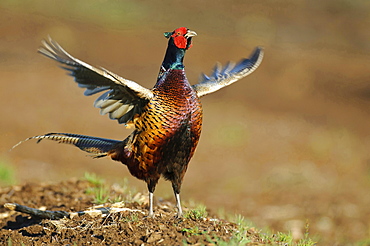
(364, 242)
(284, 238)
(193, 231)
(93, 179)
(98, 189)
(246, 234)
(103, 193)
(198, 213)
(6, 173)
(132, 217)
(239, 237)
(306, 241)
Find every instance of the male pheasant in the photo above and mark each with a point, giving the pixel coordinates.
(167, 118)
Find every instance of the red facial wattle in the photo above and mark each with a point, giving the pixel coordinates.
(178, 38)
(180, 42)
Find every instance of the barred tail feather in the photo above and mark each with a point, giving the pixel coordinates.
(99, 147)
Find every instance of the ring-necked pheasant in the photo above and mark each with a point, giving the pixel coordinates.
(167, 118)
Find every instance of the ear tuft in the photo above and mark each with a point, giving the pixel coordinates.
(167, 34)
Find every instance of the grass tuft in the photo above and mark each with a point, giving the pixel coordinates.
(306, 241)
(198, 213)
(104, 193)
(98, 189)
(93, 179)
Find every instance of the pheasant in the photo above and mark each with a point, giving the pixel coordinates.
(167, 118)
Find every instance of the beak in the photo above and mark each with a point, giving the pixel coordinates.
(190, 34)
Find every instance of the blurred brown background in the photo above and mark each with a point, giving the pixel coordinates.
(285, 146)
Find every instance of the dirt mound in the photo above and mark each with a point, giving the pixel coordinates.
(129, 227)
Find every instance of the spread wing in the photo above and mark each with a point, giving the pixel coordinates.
(123, 99)
(229, 74)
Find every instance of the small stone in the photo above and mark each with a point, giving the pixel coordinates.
(155, 236)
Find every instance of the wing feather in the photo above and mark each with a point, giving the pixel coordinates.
(231, 73)
(119, 91)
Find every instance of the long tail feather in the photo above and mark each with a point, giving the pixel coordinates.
(99, 147)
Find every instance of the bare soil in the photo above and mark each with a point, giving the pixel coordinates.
(122, 228)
